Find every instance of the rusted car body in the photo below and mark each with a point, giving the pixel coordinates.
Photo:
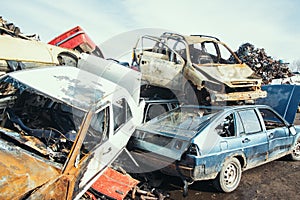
(189, 63)
(202, 143)
(60, 129)
(21, 53)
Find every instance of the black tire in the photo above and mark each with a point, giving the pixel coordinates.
(295, 155)
(67, 59)
(230, 176)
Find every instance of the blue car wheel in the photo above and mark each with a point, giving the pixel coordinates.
(230, 175)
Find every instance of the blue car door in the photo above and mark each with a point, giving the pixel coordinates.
(253, 138)
(280, 140)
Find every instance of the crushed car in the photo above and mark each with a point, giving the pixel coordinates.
(61, 127)
(214, 143)
(77, 39)
(193, 65)
(21, 52)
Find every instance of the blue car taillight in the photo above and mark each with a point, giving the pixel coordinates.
(193, 150)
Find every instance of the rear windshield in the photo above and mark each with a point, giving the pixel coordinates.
(185, 118)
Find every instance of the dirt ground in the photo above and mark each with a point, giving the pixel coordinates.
(279, 179)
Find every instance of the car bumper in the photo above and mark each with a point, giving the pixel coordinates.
(239, 96)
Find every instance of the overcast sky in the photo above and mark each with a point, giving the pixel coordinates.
(270, 24)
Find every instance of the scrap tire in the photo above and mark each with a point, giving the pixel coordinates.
(295, 155)
(229, 177)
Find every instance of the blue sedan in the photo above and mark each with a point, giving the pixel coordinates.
(202, 143)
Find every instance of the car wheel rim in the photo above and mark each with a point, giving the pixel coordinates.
(296, 150)
(231, 175)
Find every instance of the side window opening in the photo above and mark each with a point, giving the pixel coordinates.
(98, 131)
(227, 128)
(271, 119)
(225, 55)
(153, 110)
(204, 53)
(250, 121)
(122, 113)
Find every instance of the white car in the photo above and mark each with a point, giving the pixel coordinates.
(60, 128)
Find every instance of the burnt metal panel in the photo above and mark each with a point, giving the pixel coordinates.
(21, 172)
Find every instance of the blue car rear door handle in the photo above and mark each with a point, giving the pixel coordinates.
(246, 140)
(271, 135)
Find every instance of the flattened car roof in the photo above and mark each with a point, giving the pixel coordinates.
(70, 85)
(197, 39)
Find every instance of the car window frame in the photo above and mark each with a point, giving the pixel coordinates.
(127, 111)
(243, 124)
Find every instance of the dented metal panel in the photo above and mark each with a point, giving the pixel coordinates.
(32, 51)
(114, 184)
(195, 142)
(179, 62)
(75, 87)
(118, 74)
(282, 98)
(61, 121)
(21, 171)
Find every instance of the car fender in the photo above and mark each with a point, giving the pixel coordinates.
(296, 138)
(239, 155)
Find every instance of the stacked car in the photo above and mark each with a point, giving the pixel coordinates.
(67, 114)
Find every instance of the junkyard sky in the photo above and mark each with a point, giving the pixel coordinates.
(270, 24)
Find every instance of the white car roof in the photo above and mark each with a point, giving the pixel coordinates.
(70, 85)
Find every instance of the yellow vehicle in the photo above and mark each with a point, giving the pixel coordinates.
(22, 52)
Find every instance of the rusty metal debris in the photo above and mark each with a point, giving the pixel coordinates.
(262, 64)
(69, 128)
(118, 184)
(36, 124)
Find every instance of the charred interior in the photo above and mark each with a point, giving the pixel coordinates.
(29, 113)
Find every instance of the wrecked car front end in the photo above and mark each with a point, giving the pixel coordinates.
(18, 53)
(227, 82)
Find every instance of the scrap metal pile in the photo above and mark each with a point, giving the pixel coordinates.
(11, 29)
(60, 134)
(262, 64)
